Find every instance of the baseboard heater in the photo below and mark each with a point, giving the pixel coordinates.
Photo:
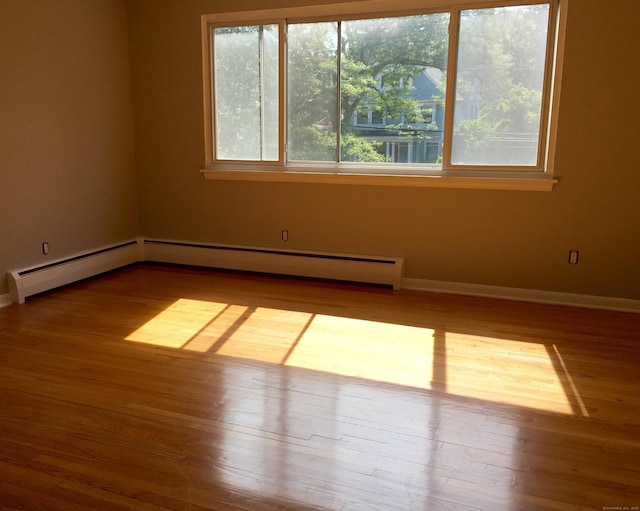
(353, 268)
(37, 279)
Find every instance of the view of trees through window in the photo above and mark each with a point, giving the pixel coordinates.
(499, 83)
(375, 70)
(246, 92)
(374, 90)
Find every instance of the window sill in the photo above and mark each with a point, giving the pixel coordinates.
(478, 182)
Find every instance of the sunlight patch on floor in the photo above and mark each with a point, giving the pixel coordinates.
(179, 323)
(267, 335)
(507, 371)
(513, 372)
(366, 349)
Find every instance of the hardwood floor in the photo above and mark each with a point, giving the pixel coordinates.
(156, 388)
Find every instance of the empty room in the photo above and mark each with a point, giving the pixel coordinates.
(319, 255)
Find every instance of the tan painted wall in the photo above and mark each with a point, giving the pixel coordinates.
(66, 134)
(66, 157)
(518, 239)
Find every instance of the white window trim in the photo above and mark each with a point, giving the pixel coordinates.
(376, 175)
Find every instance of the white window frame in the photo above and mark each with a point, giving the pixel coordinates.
(540, 179)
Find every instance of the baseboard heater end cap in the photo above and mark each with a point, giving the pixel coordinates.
(15, 287)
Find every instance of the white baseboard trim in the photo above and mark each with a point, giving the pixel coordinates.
(5, 300)
(524, 295)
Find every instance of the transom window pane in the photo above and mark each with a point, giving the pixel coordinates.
(499, 84)
(246, 92)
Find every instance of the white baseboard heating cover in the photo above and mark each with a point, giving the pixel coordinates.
(354, 268)
(37, 279)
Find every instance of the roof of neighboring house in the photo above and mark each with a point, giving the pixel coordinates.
(426, 84)
(434, 74)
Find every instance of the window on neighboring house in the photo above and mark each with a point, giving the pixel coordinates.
(461, 92)
(377, 116)
(362, 116)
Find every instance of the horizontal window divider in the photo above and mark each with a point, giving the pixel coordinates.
(541, 183)
(347, 10)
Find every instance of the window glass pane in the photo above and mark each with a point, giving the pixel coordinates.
(312, 92)
(395, 69)
(499, 83)
(246, 92)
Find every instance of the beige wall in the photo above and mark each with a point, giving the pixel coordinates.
(518, 239)
(67, 148)
(66, 135)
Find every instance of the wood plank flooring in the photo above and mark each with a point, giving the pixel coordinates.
(168, 388)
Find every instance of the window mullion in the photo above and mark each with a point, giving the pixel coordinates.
(339, 96)
(450, 90)
(544, 153)
(282, 93)
(261, 80)
(210, 96)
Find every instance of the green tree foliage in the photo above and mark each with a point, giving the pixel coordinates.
(312, 78)
(380, 58)
(357, 149)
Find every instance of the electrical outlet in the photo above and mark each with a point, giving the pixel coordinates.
(45, 248)
(574, 256)
(285, 235)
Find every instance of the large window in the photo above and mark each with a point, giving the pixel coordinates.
(464, 92)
